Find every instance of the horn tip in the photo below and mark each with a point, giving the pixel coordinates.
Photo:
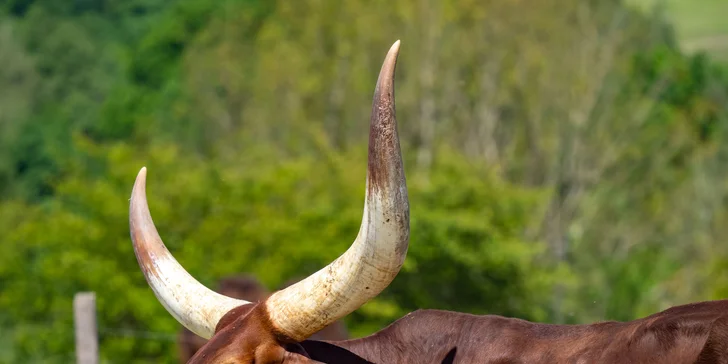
(141, 181)
(142, 175)
(393, 51)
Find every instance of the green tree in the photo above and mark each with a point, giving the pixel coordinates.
(249, 216)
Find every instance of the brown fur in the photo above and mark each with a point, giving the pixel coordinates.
(696, 333)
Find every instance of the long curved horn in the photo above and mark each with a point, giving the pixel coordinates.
(298, 311)
(191, 303)
(377, 254)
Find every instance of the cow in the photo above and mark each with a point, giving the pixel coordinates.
(276, 329)
(247, 287)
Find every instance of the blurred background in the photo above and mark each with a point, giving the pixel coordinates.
(567, 160)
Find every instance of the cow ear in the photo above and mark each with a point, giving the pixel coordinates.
(329, 353)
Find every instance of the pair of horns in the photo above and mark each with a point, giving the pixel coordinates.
(358, 275)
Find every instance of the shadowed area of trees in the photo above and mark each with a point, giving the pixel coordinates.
(565, 160)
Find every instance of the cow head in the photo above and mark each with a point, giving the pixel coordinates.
(267, 332)
(244, 287)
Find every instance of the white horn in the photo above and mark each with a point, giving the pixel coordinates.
(192, 304)
(377, 254)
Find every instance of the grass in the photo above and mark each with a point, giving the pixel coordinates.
(701, 25)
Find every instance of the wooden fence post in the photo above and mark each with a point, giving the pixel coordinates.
(84, 318)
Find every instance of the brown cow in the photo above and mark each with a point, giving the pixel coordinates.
(275, 330)
(247, 287)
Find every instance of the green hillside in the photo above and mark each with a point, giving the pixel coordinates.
(700, 24)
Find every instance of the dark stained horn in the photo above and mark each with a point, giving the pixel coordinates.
(378, 252)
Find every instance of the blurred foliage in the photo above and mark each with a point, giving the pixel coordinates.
(564, 158)
(271, 212)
